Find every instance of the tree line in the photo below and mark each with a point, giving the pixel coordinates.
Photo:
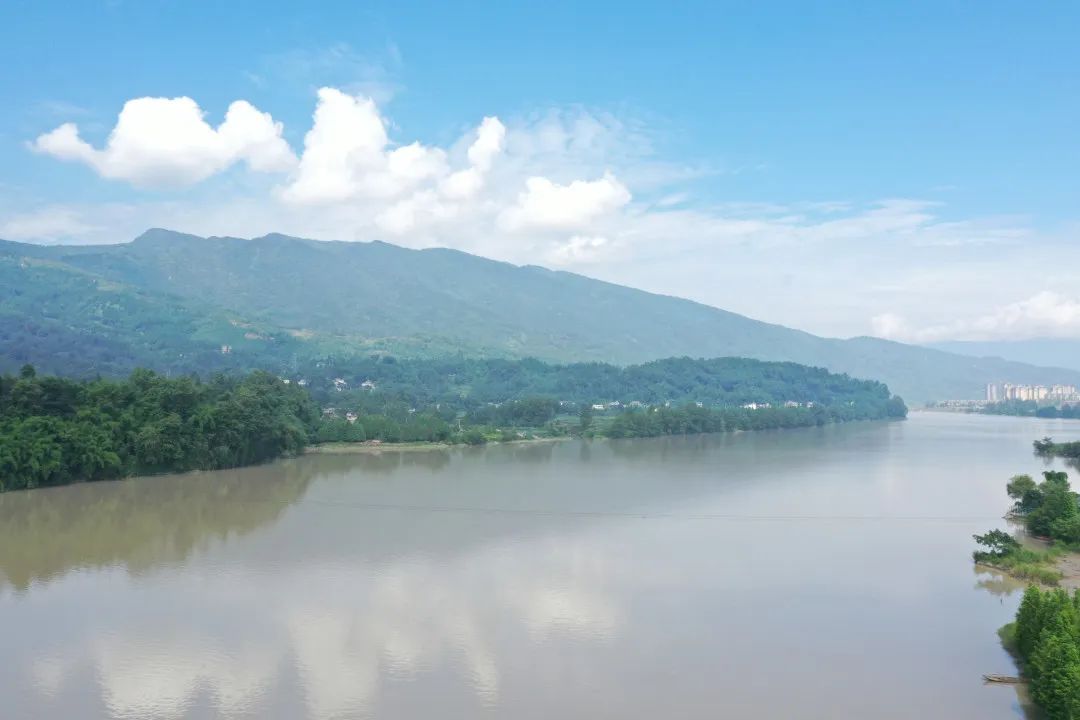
(55, 430)
(1032, 408)
(1046, 639)
(692, 419)
(532, 394)
(469, 384)
(1048, 448)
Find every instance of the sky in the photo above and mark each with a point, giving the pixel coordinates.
(900, 169)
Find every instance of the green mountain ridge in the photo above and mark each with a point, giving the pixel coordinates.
(175, 299)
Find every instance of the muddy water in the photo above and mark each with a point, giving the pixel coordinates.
(818, 573)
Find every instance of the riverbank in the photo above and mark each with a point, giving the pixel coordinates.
(343, 448)
(1069, 567)
(1040, 562)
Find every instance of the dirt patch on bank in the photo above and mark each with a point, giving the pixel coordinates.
(1069, 566)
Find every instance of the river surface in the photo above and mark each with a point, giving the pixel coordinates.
(822, 573)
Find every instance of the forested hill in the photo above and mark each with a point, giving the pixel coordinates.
(170, 301)
(465, 385)
(57, 430)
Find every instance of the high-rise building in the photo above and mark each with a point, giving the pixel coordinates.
(991, 393)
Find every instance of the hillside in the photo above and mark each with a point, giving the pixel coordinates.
(278, 300)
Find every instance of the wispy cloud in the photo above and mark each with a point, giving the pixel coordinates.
(374, 75)
(1045, 314)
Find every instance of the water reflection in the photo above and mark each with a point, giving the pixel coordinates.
(137, 524)
(338, 646)
(687, 577)
(997, 583)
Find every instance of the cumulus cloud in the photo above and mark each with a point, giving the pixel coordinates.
(1046, 314)
(570, 188)
(488, 144)
(547, 205)
(167, 142)
(348, 156)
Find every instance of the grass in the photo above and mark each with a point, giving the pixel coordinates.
(1025, 564)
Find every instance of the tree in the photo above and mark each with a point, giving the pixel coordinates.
(585, 418)
(1055, 672)
(998, 543)
(1029, 621)
(1019, 486)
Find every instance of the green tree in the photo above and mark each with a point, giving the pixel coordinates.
(1021, 487)
(585, 418)
(998, 543)
(1029, 621)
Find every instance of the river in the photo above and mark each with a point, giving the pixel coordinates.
(820, 573)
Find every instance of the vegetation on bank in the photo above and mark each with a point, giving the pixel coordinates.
(481, 386)
(480, 400)
(1046, 639)
(1003, 552)
(1048, 510)
(1048, 448)
(1031, 408)
(55, 430)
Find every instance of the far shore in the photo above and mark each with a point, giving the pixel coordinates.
(345, 448)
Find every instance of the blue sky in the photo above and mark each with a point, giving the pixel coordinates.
(868, 163)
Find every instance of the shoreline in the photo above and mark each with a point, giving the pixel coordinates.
(1068, 565)
(358, 448)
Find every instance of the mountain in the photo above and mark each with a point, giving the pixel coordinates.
(1060, 352)
(173, 300)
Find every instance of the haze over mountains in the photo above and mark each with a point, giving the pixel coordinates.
(1062, 352)
(184, 303)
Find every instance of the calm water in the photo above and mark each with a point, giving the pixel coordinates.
(804, 574)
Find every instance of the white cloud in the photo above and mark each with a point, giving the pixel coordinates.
(489, 141)
(578, 250)
(547, 205)
(163, 142)
(1046, 314)
(575, 189)
(348, 157)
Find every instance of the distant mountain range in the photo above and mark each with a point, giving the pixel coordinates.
(183, 303)
(1059, 352)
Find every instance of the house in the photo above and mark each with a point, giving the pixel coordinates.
(351, 417)
(636, 404)
(367, 385)
(302, 382)
(599, 406)
(340, 384)
(226, 349)
(329, 412)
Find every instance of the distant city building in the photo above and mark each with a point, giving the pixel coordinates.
(1052, 393)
